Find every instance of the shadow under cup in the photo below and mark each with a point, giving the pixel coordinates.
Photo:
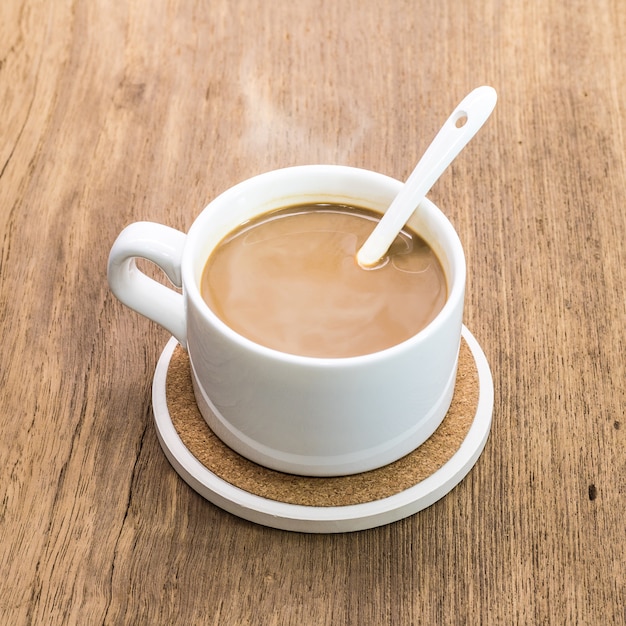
(320, 416)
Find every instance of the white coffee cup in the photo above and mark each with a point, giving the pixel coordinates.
(299, 414)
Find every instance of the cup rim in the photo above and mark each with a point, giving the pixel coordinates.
(191, 289)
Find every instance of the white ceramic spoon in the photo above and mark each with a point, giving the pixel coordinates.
(465, 121)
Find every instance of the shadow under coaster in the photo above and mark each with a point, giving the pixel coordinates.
(322, 504)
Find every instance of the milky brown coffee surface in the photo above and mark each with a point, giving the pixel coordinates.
(289, 280)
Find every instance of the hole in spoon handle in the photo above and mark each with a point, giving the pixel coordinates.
(461, 119)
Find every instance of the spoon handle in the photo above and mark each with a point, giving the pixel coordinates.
(464, 122)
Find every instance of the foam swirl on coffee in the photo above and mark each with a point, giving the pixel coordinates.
(289, 280)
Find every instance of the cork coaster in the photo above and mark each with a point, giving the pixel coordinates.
(323, 505)
(376, 484)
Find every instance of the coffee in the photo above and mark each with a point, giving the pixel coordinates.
(289, 280)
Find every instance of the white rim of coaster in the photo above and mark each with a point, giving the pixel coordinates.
(324, 519)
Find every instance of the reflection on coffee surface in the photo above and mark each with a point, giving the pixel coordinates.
(289, 280)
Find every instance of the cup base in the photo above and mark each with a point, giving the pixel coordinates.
(357, 462)
(322, 505)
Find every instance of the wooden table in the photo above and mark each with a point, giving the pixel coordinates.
(113, 112)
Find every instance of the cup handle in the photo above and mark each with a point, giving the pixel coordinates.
(161, 245)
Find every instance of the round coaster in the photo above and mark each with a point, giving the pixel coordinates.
(314, 504)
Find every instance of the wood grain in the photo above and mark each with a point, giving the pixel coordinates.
(113, 112)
